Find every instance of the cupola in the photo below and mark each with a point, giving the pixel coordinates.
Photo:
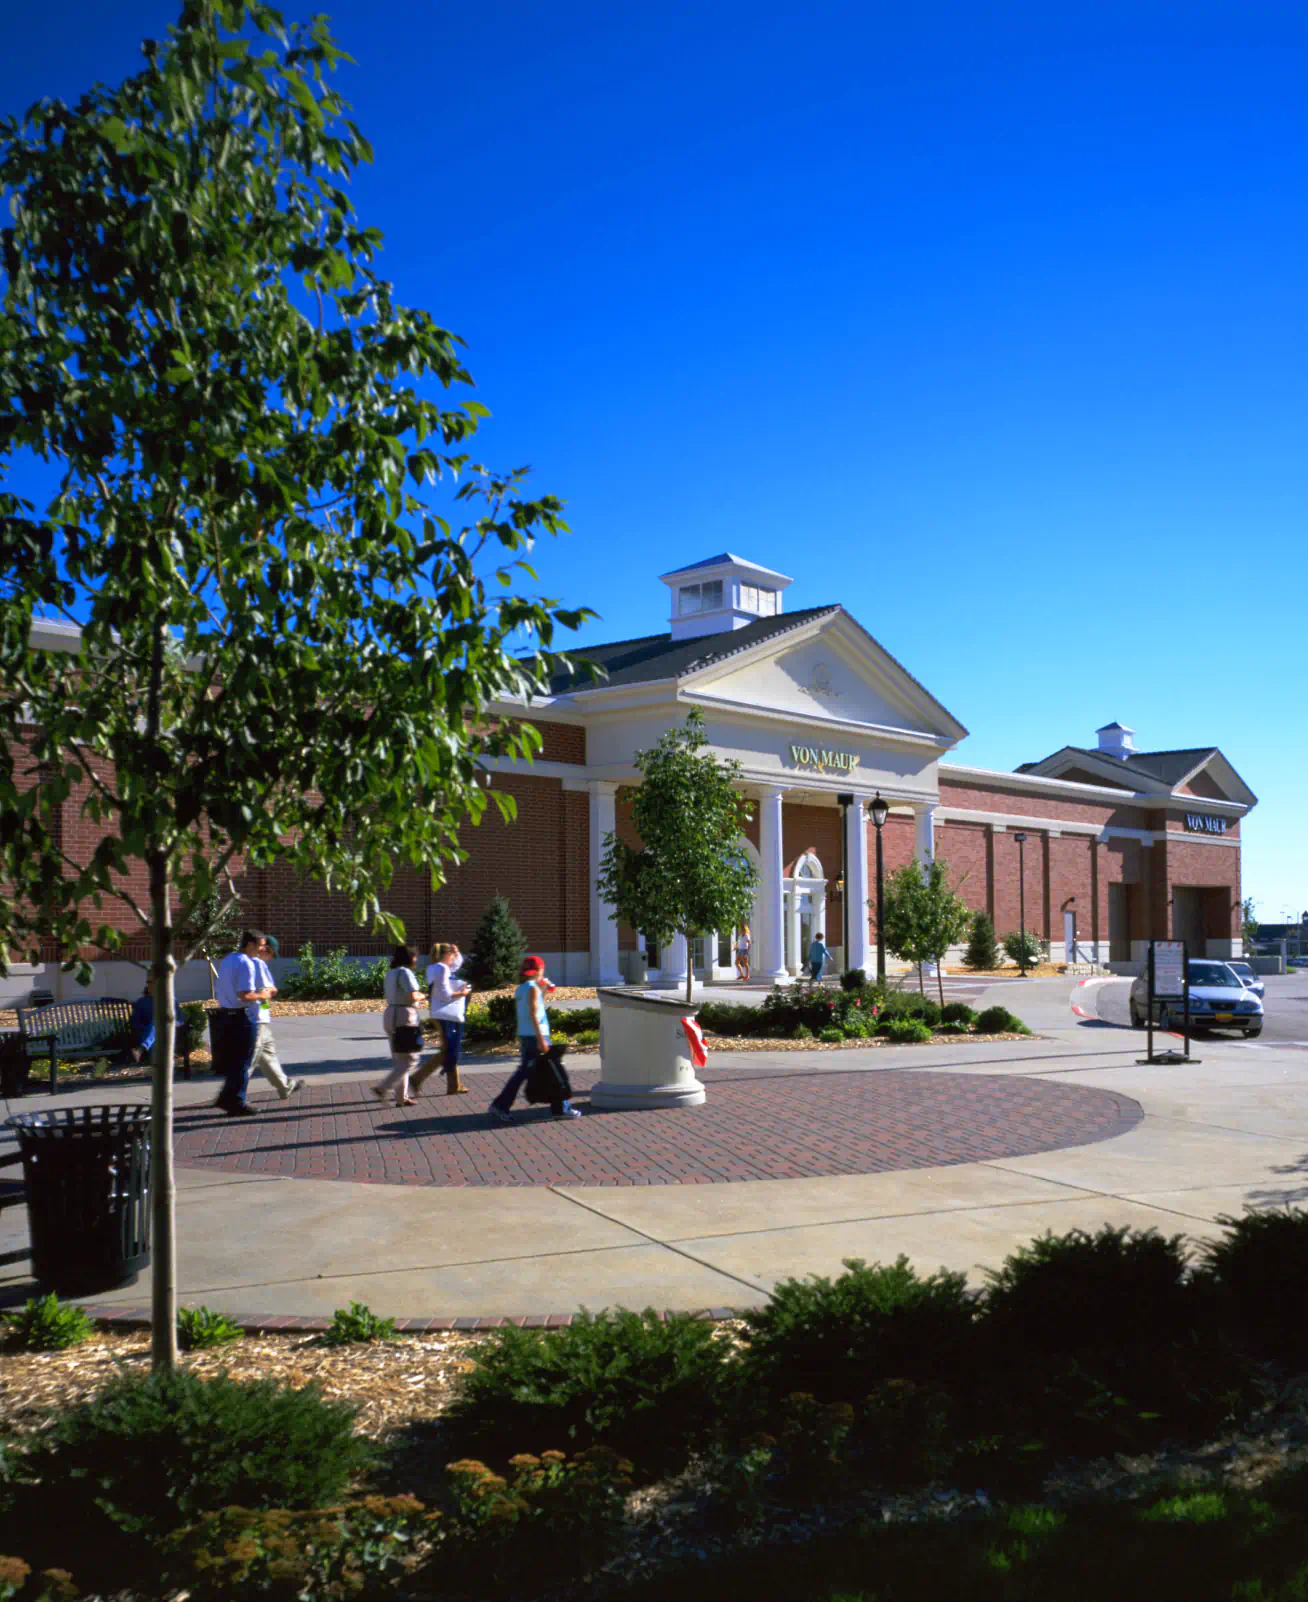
(1116, 740)
(721, 593)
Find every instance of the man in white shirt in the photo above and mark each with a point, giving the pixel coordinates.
(241, 993)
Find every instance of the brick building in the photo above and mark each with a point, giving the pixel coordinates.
(1111, 846)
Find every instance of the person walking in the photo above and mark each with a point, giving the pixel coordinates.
(266, 1059)
(448, 999)
(235, 1025)
(818, 957)
(400, 1021)
(533, 1041)
(742, 952)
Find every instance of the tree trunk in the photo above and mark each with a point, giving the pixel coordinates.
(163, 1190)
(921, 982)
(940, 980)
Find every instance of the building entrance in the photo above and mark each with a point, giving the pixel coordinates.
(805, 910)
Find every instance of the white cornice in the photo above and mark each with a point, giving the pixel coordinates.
(1039, 783)
(876, 731)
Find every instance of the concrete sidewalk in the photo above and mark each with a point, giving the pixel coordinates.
(1224, 1132)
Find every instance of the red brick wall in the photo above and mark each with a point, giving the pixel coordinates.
(560, 742)
(815, 829)
(1030, 804)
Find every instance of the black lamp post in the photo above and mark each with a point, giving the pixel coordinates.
(1021, 893)
(842, 878)
(879, 811)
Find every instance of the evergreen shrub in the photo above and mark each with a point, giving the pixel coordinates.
(982, 947)
(956, 1012)
(837, 1339)
(907, 1031)
(927, 1011)
(1258, 1274)
(1016, 944)
(154, 1453)
(732, 1018)
(498, 948)
(648, 1387)
(853, 979)
(832, 1036)
(996, 1021)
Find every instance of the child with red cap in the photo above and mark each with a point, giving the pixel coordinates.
(533, 1042)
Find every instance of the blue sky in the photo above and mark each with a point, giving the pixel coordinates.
(985, 320)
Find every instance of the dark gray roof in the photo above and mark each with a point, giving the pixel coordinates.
(712, 561)
(1168, 767)
(659, 656)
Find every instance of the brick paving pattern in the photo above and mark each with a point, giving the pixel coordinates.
(757, 1124)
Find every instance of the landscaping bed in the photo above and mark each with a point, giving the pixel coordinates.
(1113, 1415)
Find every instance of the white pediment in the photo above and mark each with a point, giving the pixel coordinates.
(835, 672)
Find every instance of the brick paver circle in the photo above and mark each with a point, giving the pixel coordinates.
(756, 1124)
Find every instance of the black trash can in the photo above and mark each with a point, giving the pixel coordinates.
(87, 1175)
(14, 1066)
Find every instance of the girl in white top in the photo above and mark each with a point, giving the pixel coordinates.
(449, 998)
(403, 998)
(742, 952)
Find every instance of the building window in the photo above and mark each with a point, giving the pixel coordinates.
(760, 601)
(700, 597)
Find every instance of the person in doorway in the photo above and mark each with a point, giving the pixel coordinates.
(818, 957)
(400, 1021)
(448, 999)
(742, 953)
(235, 1025)
(533, 1041)
(266, 1059)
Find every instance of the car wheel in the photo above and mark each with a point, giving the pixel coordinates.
(1137, 1022)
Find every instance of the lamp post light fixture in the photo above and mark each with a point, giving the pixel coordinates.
(878, 811)
(1021, 894)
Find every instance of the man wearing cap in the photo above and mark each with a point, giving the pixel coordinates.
(266, 1060)
(533, 1041)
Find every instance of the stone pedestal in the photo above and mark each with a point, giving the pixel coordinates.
(644, 1053)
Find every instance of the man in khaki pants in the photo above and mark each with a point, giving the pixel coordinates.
(266, 1059)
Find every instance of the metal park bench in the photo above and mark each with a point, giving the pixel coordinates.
(77, 1030)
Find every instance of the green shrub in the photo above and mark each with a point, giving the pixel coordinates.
(832, 1036)
(982, 948)
(199, 1328)
(1018, 944)
(586, 1037)
(157, 1452)
(927, 1012)
(1079, 1293)
(334, 977)
(905, 1031)
(838, 1338)
(646, 1386)
(956, 1012)
(731, 1018)
(953, 1029)
(57, 1584)
(357, 1323)
(995, 1021)
(289, 1555)
(498, 947)
(853, 979)
(1258, 1273)
(46, 1324)
(569, 1019)
(801, 1032)
(195, 1018)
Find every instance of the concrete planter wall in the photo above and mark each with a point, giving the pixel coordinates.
(644, 1053)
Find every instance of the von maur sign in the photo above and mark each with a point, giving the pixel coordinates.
(814, 756)
(1201, 823)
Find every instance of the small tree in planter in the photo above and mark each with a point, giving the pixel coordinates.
(689, 874)
(497, 948)
(215, 929)
(1024, 949)
(923, 917)
(982, 947)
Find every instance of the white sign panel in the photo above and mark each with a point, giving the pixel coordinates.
(1169, 968)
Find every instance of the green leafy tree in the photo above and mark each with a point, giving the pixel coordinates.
(1023, 949)
(285, 652)
(923, 917)
(689, 874)
(1248, 925)
(982, 947)
(498, 948)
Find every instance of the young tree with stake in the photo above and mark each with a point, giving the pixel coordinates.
(284, 653)
(689, 875)
(923, 917)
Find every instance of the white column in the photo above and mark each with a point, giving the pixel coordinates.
(924, 846)
(604, 968)
(673, 964)
(771, 950)
(856, 889)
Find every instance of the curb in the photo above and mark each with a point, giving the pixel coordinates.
(126, 1318)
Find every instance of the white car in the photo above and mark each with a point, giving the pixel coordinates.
(1218, 1000)
(1243, 971)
